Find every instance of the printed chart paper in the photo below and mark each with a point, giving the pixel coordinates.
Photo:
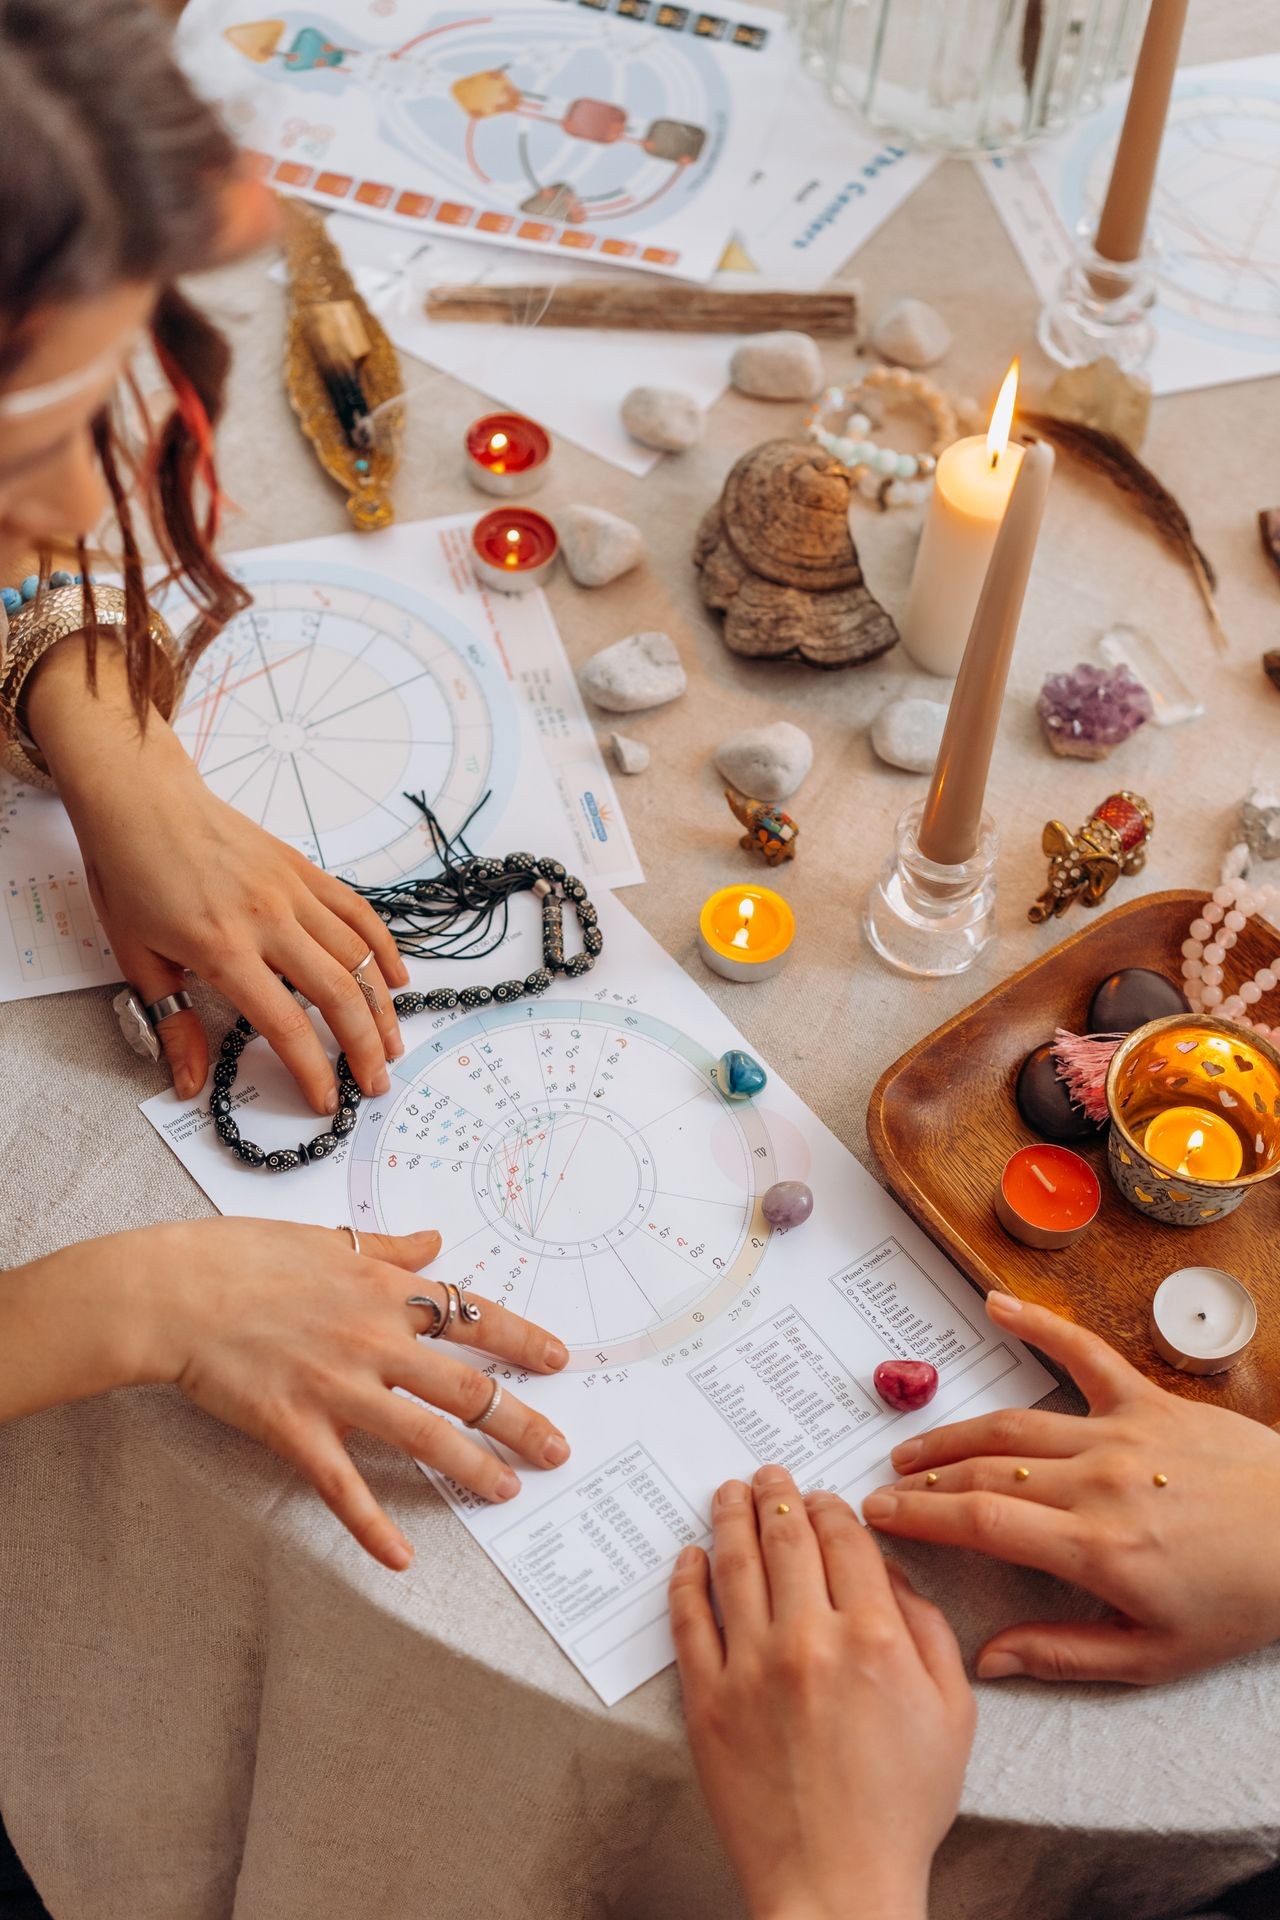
(583, 1168)
(369, 666)
(51, 940)
(1215, 218)
(621, 131)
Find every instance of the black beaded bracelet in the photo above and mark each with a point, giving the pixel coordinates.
(483, 885)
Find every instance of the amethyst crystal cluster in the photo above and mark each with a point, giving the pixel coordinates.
(1087, 712)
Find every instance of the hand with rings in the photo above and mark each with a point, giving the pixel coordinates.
(184, 882)
(300, 1335)
(1160, 1506)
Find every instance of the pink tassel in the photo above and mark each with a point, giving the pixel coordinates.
(1082, 1061)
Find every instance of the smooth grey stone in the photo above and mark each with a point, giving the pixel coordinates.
(911, 333)
(641, 671)
(777, 366)
(597, 546)
(908, 733)
(662, 417)
(766, 763)
(632, 756)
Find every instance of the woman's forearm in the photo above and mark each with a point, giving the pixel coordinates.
(92, 743)
(83, 1320)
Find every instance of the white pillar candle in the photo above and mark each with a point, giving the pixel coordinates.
(971, 490)
(1202, 1319)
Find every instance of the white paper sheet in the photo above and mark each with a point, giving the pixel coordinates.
(370, 666)
(1215, 218)
(582, 1169)
(625, 131)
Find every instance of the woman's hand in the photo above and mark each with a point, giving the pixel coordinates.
(1163, 1507)
(831, 1721)
(182, 881)
(288, 1334)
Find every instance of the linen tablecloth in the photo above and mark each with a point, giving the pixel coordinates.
(212, 1705)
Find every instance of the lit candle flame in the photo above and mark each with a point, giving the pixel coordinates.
(1002, 416)
(513, 535)
(743, 936)
(497, 442)
(1195, 1141)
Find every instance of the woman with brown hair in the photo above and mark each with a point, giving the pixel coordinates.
(114, 180)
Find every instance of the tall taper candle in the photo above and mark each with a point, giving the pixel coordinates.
(1123, 221)
(952, 818)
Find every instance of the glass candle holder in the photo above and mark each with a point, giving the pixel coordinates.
(1162, 1159)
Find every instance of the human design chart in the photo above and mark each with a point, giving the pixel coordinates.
(1215, 218)
(582, 1167)
(624, 131)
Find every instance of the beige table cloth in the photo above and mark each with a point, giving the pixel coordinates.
(212, 1705)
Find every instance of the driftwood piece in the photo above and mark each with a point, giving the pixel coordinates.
(776, 557)
(1269, 529)
(659, 308)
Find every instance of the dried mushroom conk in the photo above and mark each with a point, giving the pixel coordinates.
(776, 557)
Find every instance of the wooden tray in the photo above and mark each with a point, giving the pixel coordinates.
(943, 1121)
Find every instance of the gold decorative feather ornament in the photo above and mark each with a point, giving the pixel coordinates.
(342, 373)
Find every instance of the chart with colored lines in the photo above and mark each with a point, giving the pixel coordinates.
(582, 1166)
(330, 700)
(1215, 218)
(626, 131)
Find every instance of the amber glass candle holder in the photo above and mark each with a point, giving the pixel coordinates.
(1199, 1063)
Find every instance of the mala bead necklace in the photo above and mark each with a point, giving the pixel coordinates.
(880, 474)
(1210, 938)
(460, 913)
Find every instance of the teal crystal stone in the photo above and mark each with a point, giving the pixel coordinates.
(738, 1076)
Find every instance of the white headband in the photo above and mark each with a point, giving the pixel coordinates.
(25, 400)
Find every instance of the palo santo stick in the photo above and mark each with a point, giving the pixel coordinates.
(661, 308)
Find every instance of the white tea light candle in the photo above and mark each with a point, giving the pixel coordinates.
(1202, 1319)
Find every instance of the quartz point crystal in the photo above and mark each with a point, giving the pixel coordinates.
(1090, 710)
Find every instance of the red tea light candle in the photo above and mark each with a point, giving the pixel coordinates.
(507, 454)
(1047, 1196)
(513, 549)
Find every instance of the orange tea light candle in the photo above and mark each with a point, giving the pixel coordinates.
(1047, 1196)
(513, 549)
(507, 454)
(1195, 1143)
(745, 933)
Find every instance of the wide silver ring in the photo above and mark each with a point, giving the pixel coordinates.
(168, 1003)
(355, 1237)
(495, 1401)
(366, 987)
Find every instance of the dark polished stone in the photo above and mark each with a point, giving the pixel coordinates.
(1045, 1104)
(1130, 998)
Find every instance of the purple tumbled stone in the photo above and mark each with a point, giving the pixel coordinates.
(1087, 712)
(788, 1204)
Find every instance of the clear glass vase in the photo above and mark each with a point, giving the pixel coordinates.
(970, 76)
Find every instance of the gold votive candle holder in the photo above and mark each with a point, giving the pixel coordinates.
(1198, 1062)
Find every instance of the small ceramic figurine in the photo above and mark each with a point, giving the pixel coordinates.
(770, 832)
(1085, 865)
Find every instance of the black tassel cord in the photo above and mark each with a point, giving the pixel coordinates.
(462, 912)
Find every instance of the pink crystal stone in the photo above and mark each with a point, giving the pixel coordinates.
(1087, 712)
(907, 1385)
(787, 1204)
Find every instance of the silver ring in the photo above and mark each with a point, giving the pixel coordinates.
(169, 1003)
(433, 1306)
(355, 1237)
(366, 987)
(495, 1401)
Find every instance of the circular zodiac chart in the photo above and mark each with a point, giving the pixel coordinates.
(581, 1167)
(328, 700)
(1216, 213)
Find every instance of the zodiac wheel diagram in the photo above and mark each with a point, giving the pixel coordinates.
(580, 1165)
(330, 698)
(1216, 213)
(583, 121)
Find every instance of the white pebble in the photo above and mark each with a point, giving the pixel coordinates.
(766, 763)
(632, 756)
(911, 333)
(598, 547)
(641, 671)
(662, 417)
(908, 733)
(777, 366)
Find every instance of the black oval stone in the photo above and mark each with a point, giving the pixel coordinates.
(1130, 998)
(1045, 1104)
